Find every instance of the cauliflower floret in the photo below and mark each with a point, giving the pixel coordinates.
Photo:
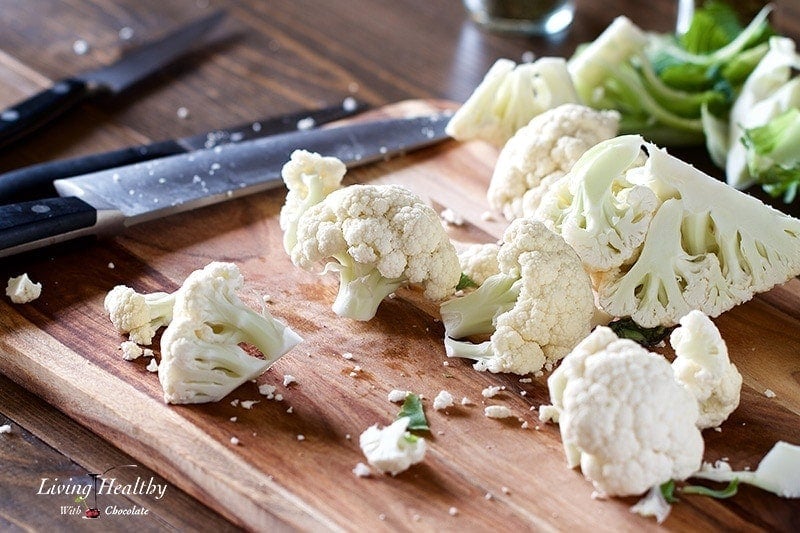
(138, 315)
(536, 309)
(703, 368)
(509, 96)
(623, 418)
(479, 261)
(309, 177)
(21, 290)
(379, 238)
(201, 360)
(392, 449)
(542, 152)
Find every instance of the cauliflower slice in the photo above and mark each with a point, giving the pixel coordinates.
(379, 238)
(509, 96)
(392, 449)
(623, 418)
(536, 309)
(309, 177)
(703, 368)
(479, 261)
(541, 152)
(138, 315)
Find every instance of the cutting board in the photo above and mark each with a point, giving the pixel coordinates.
(292, 466)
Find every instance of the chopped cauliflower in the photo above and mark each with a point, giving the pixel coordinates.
(443, 400)
(361, 470)
(623, 417)
(497, 411)
(22, 290)
(479, 261)
(509, 96)
(392, 449)
(378, 238)
(536, 310)
(138, 315)
(703, 368)
(397, 395)
(131, 350)
(542, 152)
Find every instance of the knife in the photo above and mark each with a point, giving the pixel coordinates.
(36, 181)
(36, 111)
(108, 201)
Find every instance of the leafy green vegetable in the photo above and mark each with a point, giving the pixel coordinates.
(721, 494)
(412, 408)
(626, 328)
(773, 158)
(465, 282)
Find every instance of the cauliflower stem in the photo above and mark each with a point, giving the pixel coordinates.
(361, 288)
(475, 313)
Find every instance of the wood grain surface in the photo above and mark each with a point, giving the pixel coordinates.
(282, 56)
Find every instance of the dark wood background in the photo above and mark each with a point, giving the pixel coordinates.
(268, 58)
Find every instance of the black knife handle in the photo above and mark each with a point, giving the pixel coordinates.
(36, 181)
(49, 220)
(36, 111)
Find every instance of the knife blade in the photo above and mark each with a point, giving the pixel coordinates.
(25, 117)
(108, 201)
(36, 181)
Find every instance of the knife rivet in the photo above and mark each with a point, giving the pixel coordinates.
(60, 88)
(39, 208)
(9, 115)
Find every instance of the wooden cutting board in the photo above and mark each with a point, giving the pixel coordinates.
(292, 468)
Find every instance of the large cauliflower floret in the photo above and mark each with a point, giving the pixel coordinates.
(379, 238)
(509, 96)
(138, 315)
(201, 360)
(623, 418)
(543, 151)
(536, 309)
(703, 368)
(479, 261)
(707, 247)
(309, 177)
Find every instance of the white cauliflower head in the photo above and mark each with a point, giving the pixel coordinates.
(309, 177)
(379, 238)
(479, 261)
(392, 449)
(509, 96)
(138, 315)
(703, 368)
(623, 418)
(543, 151)
(536, 309)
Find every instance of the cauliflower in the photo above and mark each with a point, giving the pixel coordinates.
(702, 366)
(201, 360)
(509, 96)
(309, 177)
(21, 290)
(661, 238)
(479, 261)
(541, 152)
(536, 309)
(138, 315)
(623, 418)
(392, 449)
(379, 238)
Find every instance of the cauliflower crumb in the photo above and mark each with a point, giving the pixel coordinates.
(80, 47)
(505, 490)
(234, 441)
(497, 411)
(288, 380)
(491, 391)
(130, 350)
(278, 397)
(525, 425)
(234, 419)
(5, 428)
(290, 410)
(301, 437)
(267, 390)
(453, 511)
(548, 413)
(248, 404)
(362, 470)
(488, 496)
(397, 395)
(235, 402)
(152, 366)
(22, 290)
(183, 113)
(111, 266)
(443, 400)
(769, 393)
(451, 217)
(347, 355)
(466, 401)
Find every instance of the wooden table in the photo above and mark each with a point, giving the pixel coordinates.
(273, 57)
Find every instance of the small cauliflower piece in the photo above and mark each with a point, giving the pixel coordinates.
(536, 309)
(138, 315)
(542, 152)
(201, 360)
(479, 261)
(22, 290)
(309, 177)
(509, 96)
(623, 418)
(443, 400)
(378, 238)
(703, 368)
(392, 449)
(130, 350)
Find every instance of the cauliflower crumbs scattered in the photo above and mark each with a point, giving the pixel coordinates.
(453, 511)
(290, 410)
(349, 104)
(548, 413)
(111, 266)
(362, 470)
(488, 496)
(443, 400)
(525, 425)
(466, 401)
(234, 441)
(347, 355)
(148, 352)
(248, 404)
(491, 391)
(382, 517)
(267, 298)
(397, 395)
(152, 366)
(538, 374)
(505, 490)
(126, 33)
(22, 290)
(183, 113)
(235, 402)
(488, 216)
(451, 217)
(234, 419)
(80, 47)
(288, 380)
(301, 437)
(5, 428)
(769, 393)
(279, 397)
(718, 429)
(445, 363)
(523, 393)
(130, 350)
(497, 411)
(525, 380)
(267, 390)
(348, 436)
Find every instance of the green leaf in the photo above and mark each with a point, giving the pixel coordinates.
(626, 328)
(668, 491)
(772, 156)
(720, 494)
(465, 282)
(412, 408)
